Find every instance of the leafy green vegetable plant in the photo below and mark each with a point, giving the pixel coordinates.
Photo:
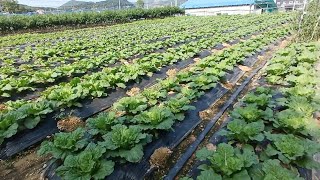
(125, 142)
(64, 144)
(157, 117)
(262, 98)
(132, 105)
(249, 113)
(239, 130)
(88, 164)
(228, 161)
(178, 105)
(272, 169)
(102, 123)
(293, 149)
(153, 95)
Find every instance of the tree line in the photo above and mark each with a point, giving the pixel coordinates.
(12, 6)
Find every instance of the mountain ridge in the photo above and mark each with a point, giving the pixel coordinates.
(108, 4)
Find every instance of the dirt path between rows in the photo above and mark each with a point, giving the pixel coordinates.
(26, 166)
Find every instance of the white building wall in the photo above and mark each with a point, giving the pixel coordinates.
(247, 9)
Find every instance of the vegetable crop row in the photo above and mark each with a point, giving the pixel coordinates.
(110, 54)
(113, 36)
(31, 80)
(122, 131)
(19, 22)
(51, 38)
(270, 137)
(27, 114)
(46, 56)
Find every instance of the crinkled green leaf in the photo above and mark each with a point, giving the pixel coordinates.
(209, 174)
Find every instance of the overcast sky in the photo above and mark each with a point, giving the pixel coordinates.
(51, 3)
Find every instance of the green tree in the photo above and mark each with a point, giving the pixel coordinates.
(140, 4)
(10, 6)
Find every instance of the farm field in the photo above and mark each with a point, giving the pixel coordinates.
(271, 131)
(117, 102)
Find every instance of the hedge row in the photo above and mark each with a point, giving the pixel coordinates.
(21, 22)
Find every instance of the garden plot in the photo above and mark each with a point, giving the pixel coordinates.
(275, 115)
(124, 113)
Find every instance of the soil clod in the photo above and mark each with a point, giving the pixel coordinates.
(70, 124)
(160, 156)
(134, 91)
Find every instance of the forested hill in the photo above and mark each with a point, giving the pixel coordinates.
(108, 4)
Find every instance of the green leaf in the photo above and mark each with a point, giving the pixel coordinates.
(209, 175)
(30, 123)
(248, 156)
(308, 162)
(270, 151)
(179, 116)
(273, 170)
(7, 87)
(12, 130)
(203, 154)
(5, 95)
(133, 155)
(256, 172)
(243, 175)
(106, 168)
(121, 85)
(185, 178)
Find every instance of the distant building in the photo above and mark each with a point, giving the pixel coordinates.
(40, 11)
(289, 4)
(217, 7)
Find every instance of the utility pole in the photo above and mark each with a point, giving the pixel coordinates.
(119, 4)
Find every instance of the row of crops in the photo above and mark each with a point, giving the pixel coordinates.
(23, 114)
(272, 133)
(132, 83)
(48, 63)
(110, 137)
(9, 24)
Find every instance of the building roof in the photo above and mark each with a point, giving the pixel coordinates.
(191, 4)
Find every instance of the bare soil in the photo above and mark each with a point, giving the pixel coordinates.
(26, 166)
(70, 124)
